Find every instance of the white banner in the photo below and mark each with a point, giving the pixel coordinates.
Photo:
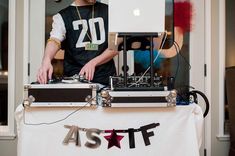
(41, 131)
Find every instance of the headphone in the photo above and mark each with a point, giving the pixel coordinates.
(57, 1)
(185, 97)
(194, 94)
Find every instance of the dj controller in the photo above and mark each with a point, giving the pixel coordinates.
(77, 91)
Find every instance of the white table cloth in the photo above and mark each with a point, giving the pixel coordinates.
(179, 132)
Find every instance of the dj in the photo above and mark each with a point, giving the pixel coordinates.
(83, 29)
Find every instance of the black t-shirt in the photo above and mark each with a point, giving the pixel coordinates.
(76, 38)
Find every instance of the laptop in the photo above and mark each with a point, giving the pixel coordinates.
(137, 16)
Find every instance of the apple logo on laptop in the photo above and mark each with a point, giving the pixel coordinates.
(136, 12)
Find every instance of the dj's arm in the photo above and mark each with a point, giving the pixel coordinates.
(53, 45)
(89, 69)
(106, 56)
(46, 69)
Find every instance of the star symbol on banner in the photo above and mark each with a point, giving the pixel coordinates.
(113, 139)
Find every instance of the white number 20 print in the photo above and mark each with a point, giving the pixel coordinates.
(80, 42)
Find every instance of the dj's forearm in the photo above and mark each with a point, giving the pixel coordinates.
(106, 56)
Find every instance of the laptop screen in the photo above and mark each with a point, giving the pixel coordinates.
(136, 16)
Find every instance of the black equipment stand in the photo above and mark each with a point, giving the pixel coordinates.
(148, 35)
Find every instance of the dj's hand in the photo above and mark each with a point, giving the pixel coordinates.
(45, 72)
(88, 70)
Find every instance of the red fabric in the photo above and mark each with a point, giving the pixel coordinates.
(183, 15)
